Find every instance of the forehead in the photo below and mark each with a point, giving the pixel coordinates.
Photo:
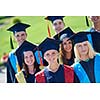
(21, 32)
(28, 53)
(57, 20)
(50, 51)
(82, 43)
(94, 16)
(66, 39)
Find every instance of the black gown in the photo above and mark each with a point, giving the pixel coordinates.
(18, 52)
(55, 77)
(88, 66)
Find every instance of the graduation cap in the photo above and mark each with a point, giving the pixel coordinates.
(26, 46)
(17, 28)
(49, 44)
(53, 18)
(79, 37)
(67, 32)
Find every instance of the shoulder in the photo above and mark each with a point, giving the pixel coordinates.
(66, 67)
(69, 73)
(40, 73)
(40, 77)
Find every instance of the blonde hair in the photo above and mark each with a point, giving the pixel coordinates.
(91, 52)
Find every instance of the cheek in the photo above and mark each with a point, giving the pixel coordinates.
(25, 60)
(62, 25)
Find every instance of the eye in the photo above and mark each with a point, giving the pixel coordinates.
(55, 24)
(64, 43)
(17, 35)
(25, 57)
(22, 34)
(85, 44)
(53, 53)
(47, 54)
(69, 42)
(60, 23)
(31, 55)
(79, 46)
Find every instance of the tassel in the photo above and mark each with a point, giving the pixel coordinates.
(49, 34)
(11, 43)
(87, 22)
(18, 68)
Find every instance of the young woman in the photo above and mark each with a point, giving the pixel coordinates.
(30, 67)
(54, 72)
(87, 66)
(66, 48)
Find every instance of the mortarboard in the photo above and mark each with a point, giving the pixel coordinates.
(49, 44)
(18, 27)
(26, 46)
(53, 18)
(79, 37)
(67, 32)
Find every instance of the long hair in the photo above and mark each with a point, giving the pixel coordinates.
(62, 58)
(36, 65)
(91, 52)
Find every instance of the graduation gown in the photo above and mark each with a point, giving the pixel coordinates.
(64, 74)
(30, 78)
(68, 61)
(88, 71)
(15, 58)
(94, 39)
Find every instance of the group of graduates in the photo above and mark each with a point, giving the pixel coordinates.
(67, 57)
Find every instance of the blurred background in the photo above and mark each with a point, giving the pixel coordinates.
(36, 33)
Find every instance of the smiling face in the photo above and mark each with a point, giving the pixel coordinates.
(29, 58)
(51, 56)
(58, 25)
(20, 37)
(83, 48)
(67, 45)
(95, 19)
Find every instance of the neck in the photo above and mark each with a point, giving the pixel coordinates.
(85, 57)
(97, 26)
(53, 67)
(68, 55)
(31, 69)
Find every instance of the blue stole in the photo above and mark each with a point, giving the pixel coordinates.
(13, 60)
(82, 75)
(37, 56)
(90, 39)
(47, 76)
(89, 35)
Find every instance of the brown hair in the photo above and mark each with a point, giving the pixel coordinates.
(62, 58)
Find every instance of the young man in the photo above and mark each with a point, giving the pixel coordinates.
(14, 60)
(94, 36)
(57, 23)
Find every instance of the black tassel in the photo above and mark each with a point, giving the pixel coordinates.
(87, 22)
(11, 43)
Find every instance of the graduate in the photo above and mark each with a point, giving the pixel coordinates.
(87, 66)
(66, 46)
(30, 67)
(14, 60)
(94, 35)
(54, 72)
(57, 23)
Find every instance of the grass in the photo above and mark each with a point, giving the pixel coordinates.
(38, 30)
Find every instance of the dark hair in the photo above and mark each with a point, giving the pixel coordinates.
(63, 53)
(36, 65)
